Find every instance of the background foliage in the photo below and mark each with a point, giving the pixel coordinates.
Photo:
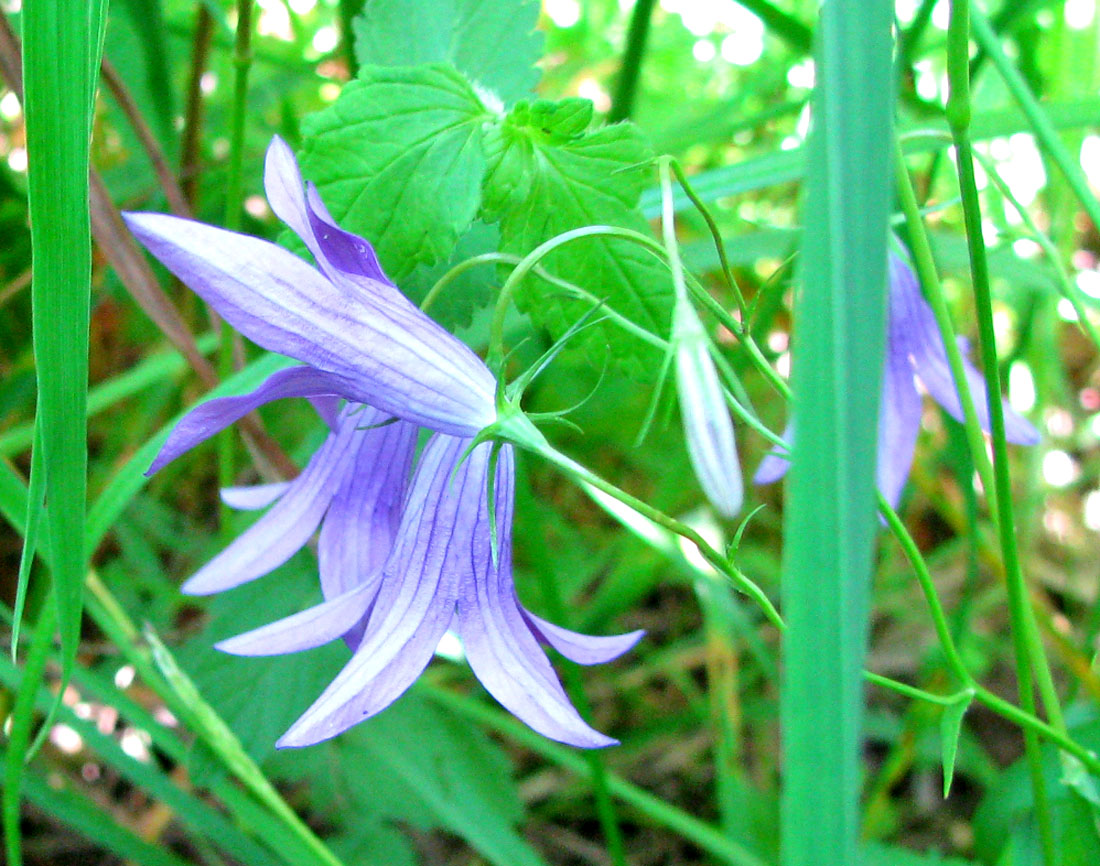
(445, 130)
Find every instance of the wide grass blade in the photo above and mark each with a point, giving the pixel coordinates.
(830, 518)
(62, 40)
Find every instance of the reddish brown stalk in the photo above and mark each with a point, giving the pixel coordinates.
(121, 251)
(192, 120)
(177, 203)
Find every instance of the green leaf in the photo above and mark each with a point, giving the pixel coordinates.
(416, 763)
(547, 176)
(494, 44)
(398, 159)
(950, 726)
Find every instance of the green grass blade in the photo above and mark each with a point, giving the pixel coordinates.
(61, 44)
(830, 523)
(97, 824)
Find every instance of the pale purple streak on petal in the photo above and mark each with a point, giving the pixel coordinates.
(255, 496)
(775, 465)
(306, 629)
(210, 417)
(391, 357)
(500, 646)
(581, 648)
(899, 424)
(328, 408)
(707, 427)
(362, 520)
(415, 604)
(276, 536)
(913, 330)
(284, 189)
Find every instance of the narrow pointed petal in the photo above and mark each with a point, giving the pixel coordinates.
(284, 189)
(331, 246)
(211, 417)
(415, 604)
(307, 629)
(254, 497)
(899, 425)
(707, 425)
(362, 520)
(276, 536)
(346, 251)
(500, 646)
(913, 326)
(775, 465)
(581, 648)
(389, 356)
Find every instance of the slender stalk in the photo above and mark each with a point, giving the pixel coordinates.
(1068, 287)
(348, 9)
(655, 809)
(177, 202)
(597, 766)
(1028, 651)
(159, 671)
(933, 292)
(626, 86)
(716, 559)
(242, 62)
(715, 234)
(192, 118)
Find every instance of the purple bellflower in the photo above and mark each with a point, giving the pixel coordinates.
(400, 562)
(914, 347)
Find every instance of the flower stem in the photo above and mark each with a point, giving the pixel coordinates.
(528, 263)
(685, 824)
(242, 61)
(627, 84)
(158, 669)
(933, 292)
(1028, 650)
(519, 429)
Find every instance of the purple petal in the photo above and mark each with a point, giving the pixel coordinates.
(707, 425)
(389, 356)
(899, 425)
(210, 417)
(255, 496)
(363, 518)
(307, 629)
(331, 246)
(346, 251)
(276, 536)
(415, 604)
(775, 465)
(913, 331)
(501, 648)
(328, 407)
(581, 648)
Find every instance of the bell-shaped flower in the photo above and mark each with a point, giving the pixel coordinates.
(914, 348)
(442, 573)
(353, 488)
(707, 425)
(399, 565)
(359, 336)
